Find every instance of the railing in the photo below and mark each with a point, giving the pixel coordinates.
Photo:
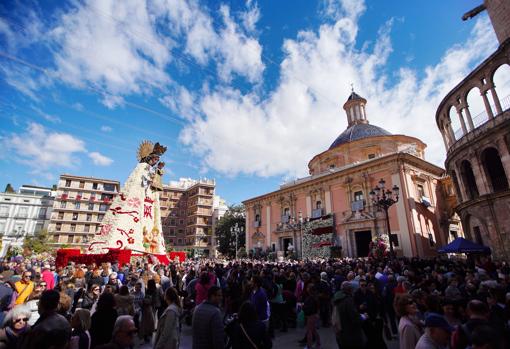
(482, 117)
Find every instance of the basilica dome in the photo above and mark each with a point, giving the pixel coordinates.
(358, 131)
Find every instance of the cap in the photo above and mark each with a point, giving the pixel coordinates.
(436, 320)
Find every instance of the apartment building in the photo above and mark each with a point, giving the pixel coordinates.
(186, 214)
(79, 208)
(24, 213)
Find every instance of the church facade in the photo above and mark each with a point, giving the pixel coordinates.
(335, 197)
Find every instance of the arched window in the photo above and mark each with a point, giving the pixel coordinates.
(469, 180)
(494, 169)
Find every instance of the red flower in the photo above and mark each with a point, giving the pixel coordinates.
(131, 240)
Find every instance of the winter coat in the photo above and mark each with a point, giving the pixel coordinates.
(168, 332)
(351, 333)
(124, 304)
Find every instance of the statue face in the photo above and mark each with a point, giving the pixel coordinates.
(154, 160)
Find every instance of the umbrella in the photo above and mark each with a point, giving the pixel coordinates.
(461, 245)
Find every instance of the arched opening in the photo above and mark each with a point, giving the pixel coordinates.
(494, 169)
(476, 107)
(455, 123)
(501, 81)
(469, 180)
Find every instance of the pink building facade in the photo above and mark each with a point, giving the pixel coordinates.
(335, 197)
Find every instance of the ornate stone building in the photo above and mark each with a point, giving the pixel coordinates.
(478, 151)
(335, 200)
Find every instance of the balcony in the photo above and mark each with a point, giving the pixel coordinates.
(257, 224)
(357, 205)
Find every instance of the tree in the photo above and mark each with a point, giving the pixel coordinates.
(9, 189)
(225, 237)
(37, 243)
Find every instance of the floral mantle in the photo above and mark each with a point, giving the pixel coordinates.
(318, 237)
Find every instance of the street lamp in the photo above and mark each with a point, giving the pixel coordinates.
(384, 198)
(236, 229)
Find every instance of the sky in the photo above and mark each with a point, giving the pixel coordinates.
(245, 93)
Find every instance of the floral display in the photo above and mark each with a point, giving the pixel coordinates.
(379, 246)
(318, 238)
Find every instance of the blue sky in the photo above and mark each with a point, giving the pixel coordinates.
(243, 92)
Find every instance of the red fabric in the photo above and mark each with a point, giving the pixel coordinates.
(180, 254)
(47, 277)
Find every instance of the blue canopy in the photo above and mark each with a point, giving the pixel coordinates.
(461, 245)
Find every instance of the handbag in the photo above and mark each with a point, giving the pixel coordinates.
(249, 339)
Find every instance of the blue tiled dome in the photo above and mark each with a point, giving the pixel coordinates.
(358, 131)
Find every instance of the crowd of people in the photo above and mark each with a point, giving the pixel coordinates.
(365, 303)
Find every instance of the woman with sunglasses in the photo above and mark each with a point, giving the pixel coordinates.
(15, 324)
(90, 297)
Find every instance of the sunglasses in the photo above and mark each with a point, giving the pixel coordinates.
(25, 319)
(95, 289)
(42, 285)
(27, 276)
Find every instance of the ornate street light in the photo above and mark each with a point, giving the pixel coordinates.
(384, 198)
(236, 230)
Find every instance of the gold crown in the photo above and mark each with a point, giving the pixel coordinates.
(158, 149)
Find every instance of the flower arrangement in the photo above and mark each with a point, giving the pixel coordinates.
(379, 246)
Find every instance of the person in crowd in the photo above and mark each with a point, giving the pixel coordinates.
(24, 287)
(325, 294)
(124, 302)
(80, 336)
(14, 326)
(311, 310)
(478, 313)
(148, 321)
(7, 289)
(437, 333)
(202, 286)
(33, 302)
(409, 327)
(52, 330)
(259, 299)
(90, 298)
(346, 320)
(249, 331)
(48, 277)
(123, 334)
(168, 331)
(207, 326)
(103, 320)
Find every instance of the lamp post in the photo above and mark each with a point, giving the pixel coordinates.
(236, 229)
(384, 198)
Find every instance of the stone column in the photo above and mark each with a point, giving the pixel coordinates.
(462, 187)
(445, 140)
(487, 105)
(327, 197)
(450, 131)
(504, 154)
(480, 178)
(268, 226)
(308, 206)
(468, 117)
(497, 103)
(462, 122)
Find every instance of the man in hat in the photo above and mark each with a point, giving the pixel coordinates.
(437, 333)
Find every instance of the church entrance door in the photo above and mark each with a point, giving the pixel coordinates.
(363, 239)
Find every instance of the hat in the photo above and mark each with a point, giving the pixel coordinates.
(436, 320)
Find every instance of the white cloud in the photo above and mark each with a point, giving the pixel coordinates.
(111, 45)
(233, 48)
(48, 117)
(105, 128)
(41, 149)
(99, 159)
(302, 116)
